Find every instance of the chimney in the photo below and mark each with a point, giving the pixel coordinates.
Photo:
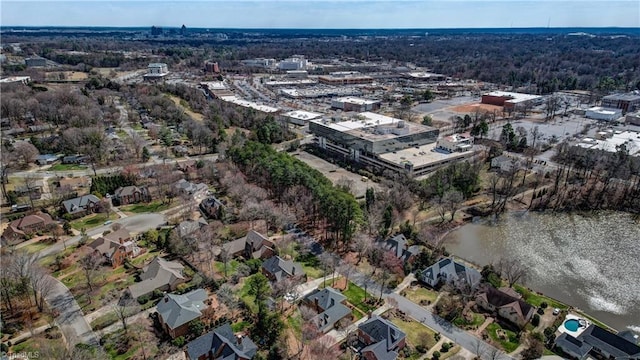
(121, 241)
(239, 339)
(316, 303)
(333, 302)
(166, 298)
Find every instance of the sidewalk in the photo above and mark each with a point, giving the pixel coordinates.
(102, 311)
(130, 320)
(27, 334)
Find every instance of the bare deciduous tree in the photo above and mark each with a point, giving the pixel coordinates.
(124, 308)
(512, 270)
(90, 264)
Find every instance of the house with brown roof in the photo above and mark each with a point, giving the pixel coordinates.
(252, 246)
(18, 230)
(130, 195)
(116, 247)
(506, 306)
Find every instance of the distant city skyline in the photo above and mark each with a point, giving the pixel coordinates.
(310, 14)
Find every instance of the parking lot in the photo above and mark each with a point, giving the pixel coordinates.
(561, 129)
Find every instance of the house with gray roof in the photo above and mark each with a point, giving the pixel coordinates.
(448, 270)
(381, 339)
(159, 274)
(276, 268)
(187, 228)
(175, 312)
(187, 187)
(329, 304)
(602, 343)
(81, 205)
(223, 344)
(505, 305)
(399, 246)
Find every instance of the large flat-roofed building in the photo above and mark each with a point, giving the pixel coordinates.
(322, 92)
(611, 141)
(600, 113)
(259, 63)
(456, 143)
(296, 62)
(384, 143)
(156, 71)
(249, 104)
(345, 78)
(510, 100)
(300, 117)
(35, 62)
(354, 104)
(625, 102)
(425, 76)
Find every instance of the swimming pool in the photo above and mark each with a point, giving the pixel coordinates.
(572, 324)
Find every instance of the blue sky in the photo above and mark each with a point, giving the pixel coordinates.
(324, 14)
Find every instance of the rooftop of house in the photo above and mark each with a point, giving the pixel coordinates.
(177, 310)
(399, 245)
(158, 273)
(572, 344)
(30, 220)
(617, 346)
(450, 268)
(126, 190)
(224, 343)
(80, 203)
(498, 299)
(382, 332)
(326, 297)
(281, 268)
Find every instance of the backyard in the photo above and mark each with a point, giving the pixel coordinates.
(356, 296)
(417, 334)
(507, 339)
(420, 295)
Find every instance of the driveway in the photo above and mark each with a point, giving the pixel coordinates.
(71, 320)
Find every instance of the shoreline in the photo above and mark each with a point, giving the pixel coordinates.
(469, 220)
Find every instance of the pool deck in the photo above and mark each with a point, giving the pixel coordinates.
(576, 333)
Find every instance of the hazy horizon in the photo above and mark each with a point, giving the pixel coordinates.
(304, 14)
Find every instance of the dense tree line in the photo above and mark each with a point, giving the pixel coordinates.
(280, 173)
(108, 184)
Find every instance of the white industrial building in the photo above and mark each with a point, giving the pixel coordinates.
(611, 140)
(16, 79)
(249, 104)
(156, 71)
(355, 104)
(300, 117)
(259, 63)
(600, 113)
(296, 62)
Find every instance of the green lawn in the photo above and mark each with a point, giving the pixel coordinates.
(104, 321)
(421, 295)
(232, 266)
(37, 246)
(66, 167)
(536, 299)
(311, 266)
(509, 344)
(91, 221)
(154, 206)
(416, 333)
(239, 326)
(460, 321)
(356, 296)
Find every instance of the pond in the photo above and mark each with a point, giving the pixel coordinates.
(591, 262)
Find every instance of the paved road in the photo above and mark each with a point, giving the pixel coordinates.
(136, 223)
(71, 320)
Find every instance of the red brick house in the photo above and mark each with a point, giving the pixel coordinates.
(175, 312)
(116, 247)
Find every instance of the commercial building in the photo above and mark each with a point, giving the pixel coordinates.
(249, 104)
(297, 74)
(633, 118)
(211, 67)
(384, 143)
(16, 79)
(425, 76)
(300, 117)
(320, 92)
(600, 113)
(625, 102)
(355, 104)
(36, 62)
(156, 71)
(345, 78)
(259, 63)
(611, 140)
(510, 100)
(456, 143)
(296, 62)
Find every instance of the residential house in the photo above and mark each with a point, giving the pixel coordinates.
(329, 304)
(276, 269)
(252, 246)
(399, 247)
(448, 270)
(130, 195)
(382, 340)
(19, 229)
(186, 187)
(506, 306)
(75, 159)
(186, 228)
(33, 190)
(175, 312)
(75, 183)
(159, 274)
(221, 343)
(81, 205)
(211, 207)
(600, 343)
(505, 163)
(116, 247)
(46, 159)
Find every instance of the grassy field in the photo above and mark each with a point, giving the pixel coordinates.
(478, 319)
(311, 266)
(416, 333)
(91, 221)
(509, 344)
(36, 344)
(356, 296)
(536, 299)
(232, 266)
(37, 246)
(66, 167)
(104, 321)
(420, 295)
(154, 206)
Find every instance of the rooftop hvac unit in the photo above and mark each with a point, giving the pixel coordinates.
(400, 123)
